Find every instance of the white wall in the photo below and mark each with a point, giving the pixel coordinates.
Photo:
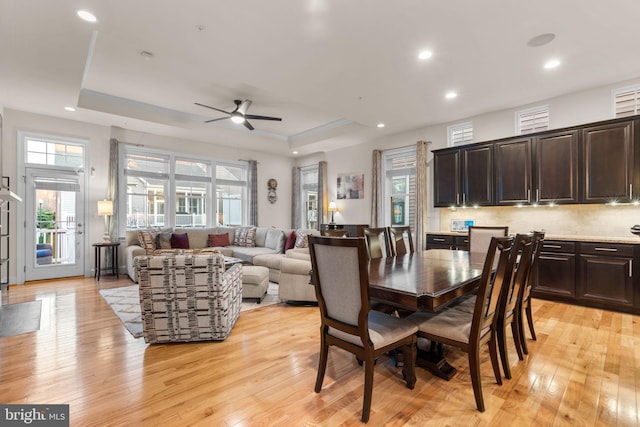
(269, 166)
(576, 108)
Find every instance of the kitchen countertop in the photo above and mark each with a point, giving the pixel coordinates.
(631, 239)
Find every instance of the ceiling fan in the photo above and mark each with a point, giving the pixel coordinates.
(239, 115)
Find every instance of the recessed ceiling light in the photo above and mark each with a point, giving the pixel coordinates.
(541, 40)
(451, 95)
(553, 63)
(87, 16)
(294, 152)
(425, 54)
(380, 125)
(69, 108)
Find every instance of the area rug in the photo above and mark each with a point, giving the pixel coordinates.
(20, 318)
(125, 303)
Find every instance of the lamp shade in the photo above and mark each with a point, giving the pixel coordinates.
(332, 206)
(105, 207)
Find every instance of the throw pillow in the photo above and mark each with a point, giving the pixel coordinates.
(163, 239)
(302, 239)
(245, 237)
(291, 241)
(180, 241)
(147, 240)
(216, 240)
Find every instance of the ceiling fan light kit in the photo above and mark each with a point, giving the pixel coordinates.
(239, 115)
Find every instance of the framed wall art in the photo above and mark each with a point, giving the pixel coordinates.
(351, 186)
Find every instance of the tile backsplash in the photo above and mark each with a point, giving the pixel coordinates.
(566, 220)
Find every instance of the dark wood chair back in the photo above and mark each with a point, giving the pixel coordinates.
(378, 244)
(401, 240)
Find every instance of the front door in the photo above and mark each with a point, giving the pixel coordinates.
(54, 205)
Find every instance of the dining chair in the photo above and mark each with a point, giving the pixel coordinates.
(401, 240)
(507, 306)
(524, 300)
(335, 233)
(470, 331)
(341, 279)
(378, 245)
(480, 236)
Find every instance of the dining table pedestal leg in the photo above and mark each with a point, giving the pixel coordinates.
(433, 360)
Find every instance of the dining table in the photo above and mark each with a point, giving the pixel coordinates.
(428, 281)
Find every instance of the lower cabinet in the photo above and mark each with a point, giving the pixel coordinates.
(599, 275)
(448, 241)
(606, 275)
(556, 275)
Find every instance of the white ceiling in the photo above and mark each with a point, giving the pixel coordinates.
(331, 69)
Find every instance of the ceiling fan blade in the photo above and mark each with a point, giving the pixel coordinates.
(252, 116)
(213, 108)
(215, 120)
(247, 125)
(243, 107)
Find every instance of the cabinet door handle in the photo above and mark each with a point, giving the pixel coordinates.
(457, 198)
(630, 268)
(529, 195)
(552, 246)
(537, 194)
(435, 239)
(605, 249)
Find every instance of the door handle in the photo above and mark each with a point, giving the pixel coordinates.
(79, 232)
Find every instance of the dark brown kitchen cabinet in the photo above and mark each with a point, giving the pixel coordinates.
(606, 275)
(556, 168)
(447, 241)
(446, 178)
(513, 171)
(464, 177)
(607, 158)
(556, 275)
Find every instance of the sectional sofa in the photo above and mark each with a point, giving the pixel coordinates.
(264, 246)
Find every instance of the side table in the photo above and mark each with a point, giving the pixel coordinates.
(114, 258)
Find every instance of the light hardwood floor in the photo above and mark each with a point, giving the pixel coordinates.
(583, 370)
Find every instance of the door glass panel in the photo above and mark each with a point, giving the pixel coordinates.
(55, 227)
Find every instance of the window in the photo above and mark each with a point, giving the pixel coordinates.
(231, 194)
(309, 196)
(53, 153)
(164, 190)
(399, 169)
(626, 102)
(460, 134)
(532, 120)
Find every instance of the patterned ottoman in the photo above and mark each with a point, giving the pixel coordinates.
(255, 282)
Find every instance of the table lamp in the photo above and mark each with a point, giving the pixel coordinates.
(105, 208)
(332, 208)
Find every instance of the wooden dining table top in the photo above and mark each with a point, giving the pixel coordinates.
(426, 280)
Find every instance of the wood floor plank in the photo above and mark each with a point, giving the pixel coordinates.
(584, 369)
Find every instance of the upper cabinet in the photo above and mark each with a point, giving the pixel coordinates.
(608, 162)
(556, 168)
(593, 163)
(513, 171)
(464, 177)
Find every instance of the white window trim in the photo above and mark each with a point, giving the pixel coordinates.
(170, 202)
(618, 91)
(458, 126)
(532, 110)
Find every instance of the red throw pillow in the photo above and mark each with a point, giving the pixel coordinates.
(291, 241)
(180, 241)
(217, 240)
